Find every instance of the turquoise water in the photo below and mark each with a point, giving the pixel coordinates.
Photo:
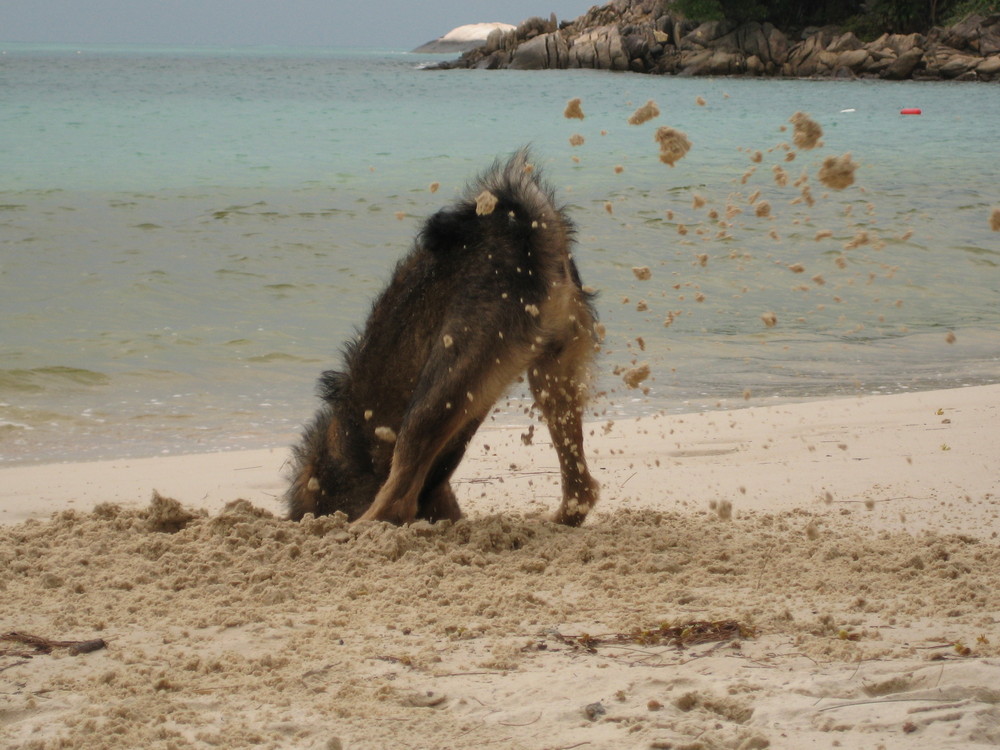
(188, 235)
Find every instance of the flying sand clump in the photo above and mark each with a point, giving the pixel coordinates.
(673, 145)
(807, 131)
(861, 237)
(995, 220)
(485, 203)
(837, 172)
(634, 376)
(642, 273)
(645, 113)
(573, 110)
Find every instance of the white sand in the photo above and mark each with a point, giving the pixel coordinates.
(855, 541)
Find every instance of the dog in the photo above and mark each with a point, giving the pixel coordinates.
(488, 292)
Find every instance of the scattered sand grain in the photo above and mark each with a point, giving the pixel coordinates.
(385, 434)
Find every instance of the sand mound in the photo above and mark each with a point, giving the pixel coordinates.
(242, 629)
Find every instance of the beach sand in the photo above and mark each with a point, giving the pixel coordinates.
(811, 575)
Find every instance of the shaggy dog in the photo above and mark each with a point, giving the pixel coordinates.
(488, 291)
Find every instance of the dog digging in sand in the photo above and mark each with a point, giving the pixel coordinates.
(489, 291)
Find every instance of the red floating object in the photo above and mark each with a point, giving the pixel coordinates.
(910, 111)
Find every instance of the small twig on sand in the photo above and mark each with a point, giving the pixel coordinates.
(763, 567)
(883, 499)
(14, 664)
(887, 700)
(509, 724)
(680, 636)
(45, 645)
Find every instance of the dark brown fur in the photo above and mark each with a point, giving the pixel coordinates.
(480, 299)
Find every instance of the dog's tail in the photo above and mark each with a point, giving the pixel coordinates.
(518, 185)
(516, 193)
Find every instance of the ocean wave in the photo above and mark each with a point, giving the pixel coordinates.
(8, 426)
(278, 357)
(37, 379)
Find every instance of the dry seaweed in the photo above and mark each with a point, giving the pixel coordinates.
(40, 645)
(680, 636)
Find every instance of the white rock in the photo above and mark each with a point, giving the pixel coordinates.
(463, 38)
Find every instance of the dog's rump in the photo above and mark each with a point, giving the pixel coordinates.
(488, 288)
(474, 284)
(515, 249)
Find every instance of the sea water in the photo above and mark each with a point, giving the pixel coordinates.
(188, 236)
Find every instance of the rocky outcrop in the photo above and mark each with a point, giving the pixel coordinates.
(645, 37)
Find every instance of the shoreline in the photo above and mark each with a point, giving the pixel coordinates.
(894, 456)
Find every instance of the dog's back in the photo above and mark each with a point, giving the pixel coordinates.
(488, 291)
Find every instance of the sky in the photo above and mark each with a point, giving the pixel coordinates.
(394, 24)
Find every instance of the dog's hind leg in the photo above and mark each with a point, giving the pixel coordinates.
(559, 378)
(451, 399)
(438, 503)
